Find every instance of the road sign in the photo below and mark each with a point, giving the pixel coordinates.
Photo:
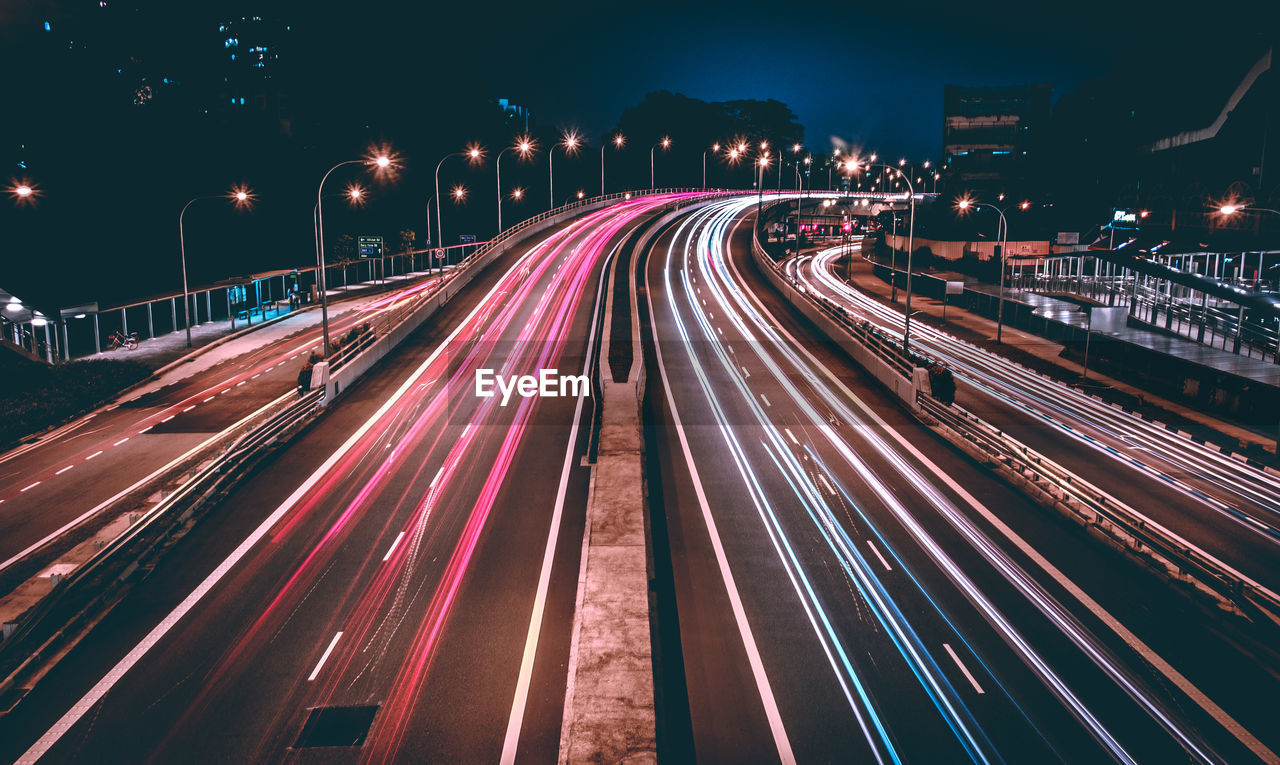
(370, 246)
(466, 238)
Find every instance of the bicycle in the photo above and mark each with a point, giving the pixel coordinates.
(121, 340)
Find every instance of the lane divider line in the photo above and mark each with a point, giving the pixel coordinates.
(392, 549)
(959, 664)
(325, 657)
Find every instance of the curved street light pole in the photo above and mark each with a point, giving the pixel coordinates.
(320, 263)
(1002, 236)
(911, 232)
(499, 166)
(182, 247)
(664, 143)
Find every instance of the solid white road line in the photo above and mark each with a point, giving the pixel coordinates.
(876, 550)
(515, 721)
(1157, 662)
(392, 549)
(135, 655)
(962, 667)
(325, 657)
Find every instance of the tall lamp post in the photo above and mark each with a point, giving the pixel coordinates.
(619, 141)
(714, 147)
(239, 196)
(906, 331)
(570, 143)
(473, 154)
(524, 147)
(381, 162)
(665, 143)
(1002, 235)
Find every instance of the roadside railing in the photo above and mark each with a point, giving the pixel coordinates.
(75, 604)
(1048, 482)
(1121, 525)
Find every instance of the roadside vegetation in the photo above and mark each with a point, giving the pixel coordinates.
(34, 396)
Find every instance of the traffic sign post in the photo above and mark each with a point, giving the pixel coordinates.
(370, 246)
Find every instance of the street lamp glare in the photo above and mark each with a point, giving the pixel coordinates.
(666, 141)
(581, 194)
(459, 193)
(1229, 209)
(715, 146)
(795, 148)
(23, 191)
(1025, 204)
(619, 140)
(382, 161)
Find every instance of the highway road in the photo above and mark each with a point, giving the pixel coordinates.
(408, 567)
(53, 489)
(849, 589)
(1224, 506)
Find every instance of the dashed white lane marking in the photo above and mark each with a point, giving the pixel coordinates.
(791, 436)
(65, 469)
(188, 409)
(765, 399)
(392, 549)
(207, 400)
(32, 486)
(144, 430)
(963, 668)
(324, 658)
(121, 441)
(242, 382)
(256, 376)
(439, 473)
(745, 373)
(876, 550)
(827, 484)
(170, 417)
(721, 331)
(91, 456)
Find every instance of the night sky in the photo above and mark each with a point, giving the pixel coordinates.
(871, 73)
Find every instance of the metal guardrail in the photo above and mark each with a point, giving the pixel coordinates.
(75, 603)
(1163, 549)
(1152, 543)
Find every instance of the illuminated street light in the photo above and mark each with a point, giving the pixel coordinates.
(240, 196)
(474, 154)
(524, 146)
(665, 143)
(569, 142)
(384, 161)
(581, 193)
(1002, 236)
(715, 147)
(618, 142)
(517, 193)
(24, 192)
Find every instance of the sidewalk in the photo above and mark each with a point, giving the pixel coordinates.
(164, 350)
(1045, 356)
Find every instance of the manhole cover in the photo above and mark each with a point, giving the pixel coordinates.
(336, 726)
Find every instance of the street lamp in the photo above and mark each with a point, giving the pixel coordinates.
(1002, 235)
(380, 162)
(240, 197)
(570, 143)
(714, 147)
(473, 155)
(24, 192)
(523, 146)
(618, 142)
(665, 143)
(911, 233)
